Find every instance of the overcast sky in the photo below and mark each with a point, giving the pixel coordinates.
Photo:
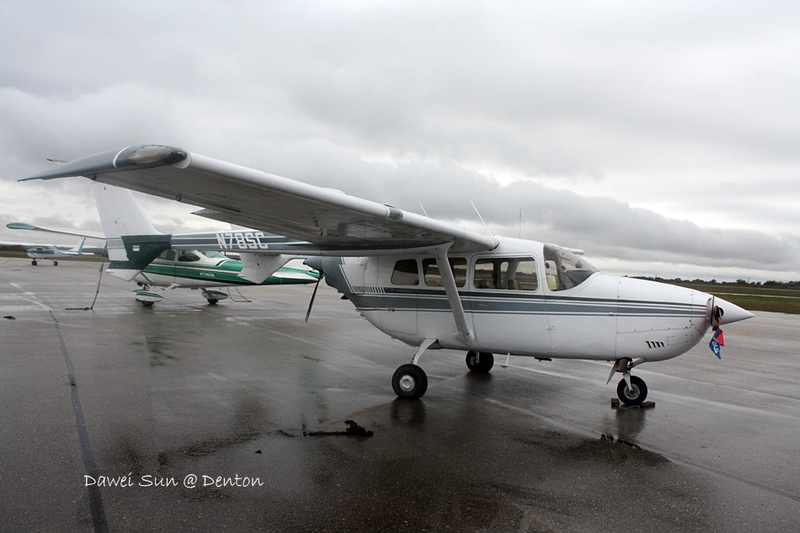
(662, 138)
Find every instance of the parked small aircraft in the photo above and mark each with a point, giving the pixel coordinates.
(186, 267)
(428, 283)
(182, 266)
(54, 252)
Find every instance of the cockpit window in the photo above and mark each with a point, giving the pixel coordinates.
(212, 255)
(187, 256)
(565, 270)
(169, 255)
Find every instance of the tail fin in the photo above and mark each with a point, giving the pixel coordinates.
(132, 240)
(78, 248)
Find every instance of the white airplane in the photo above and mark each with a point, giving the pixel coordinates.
(54, 252)
(428, 283)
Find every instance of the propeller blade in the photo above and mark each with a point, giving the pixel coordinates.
(313, 295)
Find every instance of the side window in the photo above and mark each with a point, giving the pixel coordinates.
(169, 255)
(405, 272)
(510, 274)
(433, 277)
(484, 274)
(187, 256)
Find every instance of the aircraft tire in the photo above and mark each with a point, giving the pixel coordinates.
(55, 263)
(410, 381)
(147, 304)
(480, 361)
(33, 262)
(212, 301)
(635, 396)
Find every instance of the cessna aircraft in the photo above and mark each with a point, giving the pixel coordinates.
(428, 283)
(185, 267)
(54, 252)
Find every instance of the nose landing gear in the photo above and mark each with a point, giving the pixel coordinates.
(631, 390)
(633, 394)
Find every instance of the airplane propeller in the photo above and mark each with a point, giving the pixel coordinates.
(717, 340)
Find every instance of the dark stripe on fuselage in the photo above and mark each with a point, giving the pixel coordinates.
(514, 302)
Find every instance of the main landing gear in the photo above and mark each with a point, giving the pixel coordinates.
(480, 361)
(631, 390)
(410, 381)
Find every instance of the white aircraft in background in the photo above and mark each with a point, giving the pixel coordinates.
(428, 283)
(54, 252)
(180, 267)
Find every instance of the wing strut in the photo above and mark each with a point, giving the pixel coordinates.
(448, 280)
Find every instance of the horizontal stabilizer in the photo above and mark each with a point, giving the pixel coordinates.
(258, 267)
(123, 274)
(31, 227)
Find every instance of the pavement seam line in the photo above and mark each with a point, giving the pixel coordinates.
(95, 497)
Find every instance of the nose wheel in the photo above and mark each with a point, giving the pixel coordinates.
(631, 390)
(633, 394)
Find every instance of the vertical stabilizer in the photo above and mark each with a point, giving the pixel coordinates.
(120, 213)
(78, 248)
(131, 239)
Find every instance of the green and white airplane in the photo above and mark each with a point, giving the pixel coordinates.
(175, 261)
(208, 271)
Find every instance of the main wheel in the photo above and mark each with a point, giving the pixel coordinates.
(480, 361)
(147, 304)
(212, 301)
(410, 381)
(33, 262)
(634, 395)
(55, 263)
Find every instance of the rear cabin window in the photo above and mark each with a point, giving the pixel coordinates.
(433, 277)
(406, 272)
(506, 273)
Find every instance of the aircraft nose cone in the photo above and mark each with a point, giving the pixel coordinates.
(733, 313)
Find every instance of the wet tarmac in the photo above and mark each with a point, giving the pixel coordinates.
(252, 402)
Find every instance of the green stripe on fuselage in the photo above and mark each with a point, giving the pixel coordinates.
(226, 272)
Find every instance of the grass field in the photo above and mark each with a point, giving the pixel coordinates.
(751, 297)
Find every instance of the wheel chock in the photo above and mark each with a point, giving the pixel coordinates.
(616, 404)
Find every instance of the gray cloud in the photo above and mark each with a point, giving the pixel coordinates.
(642, 133)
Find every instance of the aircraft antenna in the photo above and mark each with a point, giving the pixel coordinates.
(423, 209)
(480, 217)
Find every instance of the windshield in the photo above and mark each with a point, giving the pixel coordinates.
(564, 269)
(212, 255)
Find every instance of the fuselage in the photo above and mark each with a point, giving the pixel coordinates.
(48, 252)
(203, 269)
(526, 298)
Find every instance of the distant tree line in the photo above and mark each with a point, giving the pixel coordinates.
(771, 283)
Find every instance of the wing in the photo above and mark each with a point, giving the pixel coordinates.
(231, 193)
